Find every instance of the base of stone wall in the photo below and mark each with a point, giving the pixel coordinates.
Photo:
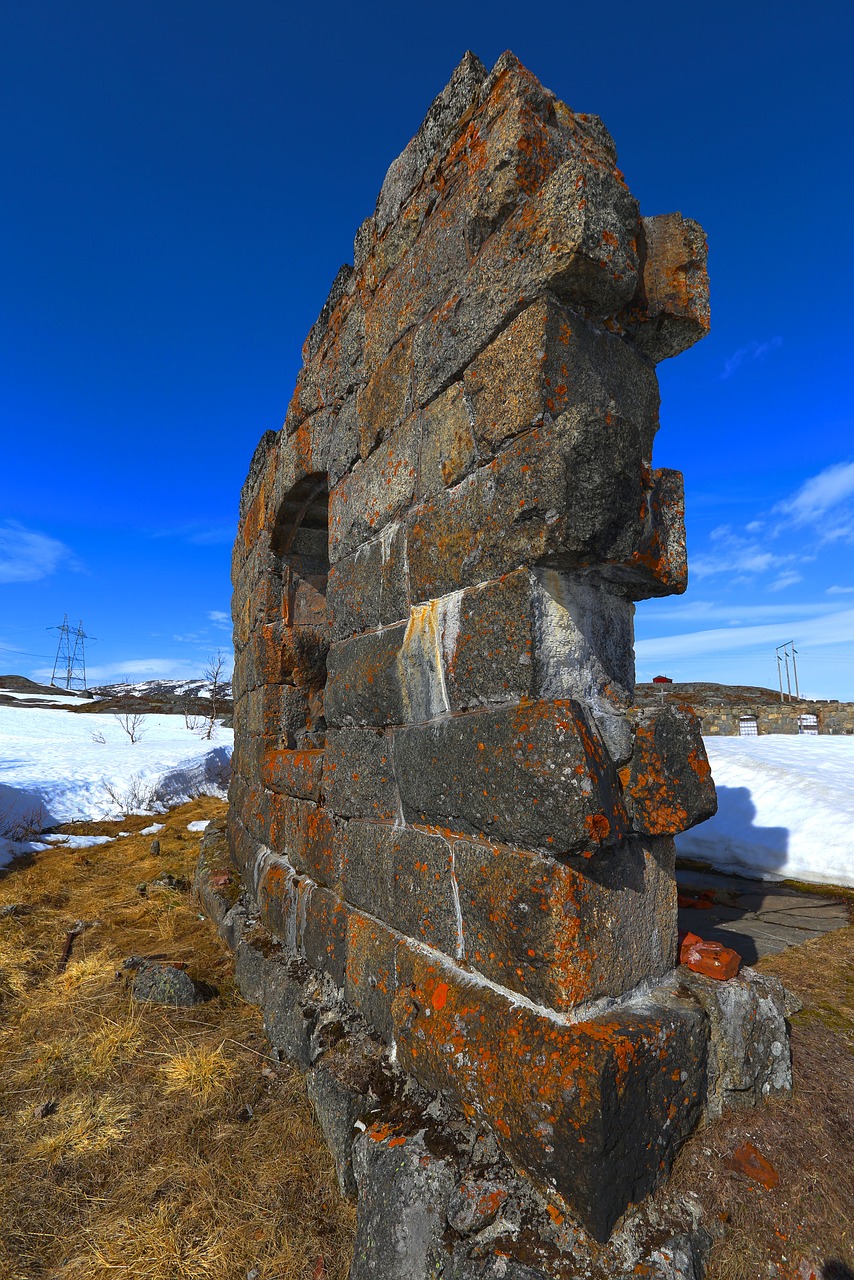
(437, 1199)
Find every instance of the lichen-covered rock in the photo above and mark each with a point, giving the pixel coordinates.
(164, 984)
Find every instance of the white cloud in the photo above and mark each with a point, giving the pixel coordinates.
(735, 554)
(220, 619)
(840, 591)
(27, 556)
(825, 501)
(786, 580)
(753, 351)
(818, 632)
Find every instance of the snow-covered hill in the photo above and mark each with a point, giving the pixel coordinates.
(57, 766)
(785, 808)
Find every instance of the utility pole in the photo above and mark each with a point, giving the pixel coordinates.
(788, 650)
(70, 654)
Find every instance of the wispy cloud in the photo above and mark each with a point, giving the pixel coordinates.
(825, 502)
(786, 580)
(735, 554)
(840, 591)
(753, 351)
(140, 669)
(220, 619)
(201, 533)
(819, 632)
(28, 556)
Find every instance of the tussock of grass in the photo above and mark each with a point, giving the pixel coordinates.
(168, 1154)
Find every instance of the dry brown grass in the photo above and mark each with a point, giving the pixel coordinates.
(169, 1155)
(809, 1138)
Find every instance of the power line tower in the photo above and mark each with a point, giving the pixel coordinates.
(70, 658)
(788, 651)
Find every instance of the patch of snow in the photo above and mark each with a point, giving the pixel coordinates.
(51, 772)
(78, 842)
(785, 808)
(199, 825)
(149, 831)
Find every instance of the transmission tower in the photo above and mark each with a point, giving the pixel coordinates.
(70, 658)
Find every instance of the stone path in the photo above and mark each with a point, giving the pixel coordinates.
(754, 917)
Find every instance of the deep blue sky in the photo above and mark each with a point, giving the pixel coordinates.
(182, 180)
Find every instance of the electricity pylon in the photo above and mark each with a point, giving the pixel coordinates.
(70, 654)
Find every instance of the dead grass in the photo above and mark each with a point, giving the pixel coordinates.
(808, 1220)
(165, 1153)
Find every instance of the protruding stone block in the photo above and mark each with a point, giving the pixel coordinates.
(597, 1108)
(533, 775)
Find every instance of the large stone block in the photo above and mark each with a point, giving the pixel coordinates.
(370, 977)
(561, 933)
(670, 311)
(533, 775)
(574, 492)
(323, 937)
(448, 450)
(358, 775)
(668, 783)
(550, 360)
(370, 496)
(595, 1110)
(405, 878)
(368, 589)
(397, 1169)
(293, 773)
(364, 685)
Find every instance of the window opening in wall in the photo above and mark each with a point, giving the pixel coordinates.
(301, 545)
(808, 724)
(748, 727)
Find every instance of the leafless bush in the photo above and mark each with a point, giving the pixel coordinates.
(213, 673)
(21, 825)
(138, 796)
(98, 737)
(133, 724)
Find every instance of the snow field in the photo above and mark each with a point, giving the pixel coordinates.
(785, 809)
(55, 769)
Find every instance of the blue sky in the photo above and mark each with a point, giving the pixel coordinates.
(182, 181)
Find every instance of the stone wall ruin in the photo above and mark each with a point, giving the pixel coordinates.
(443, 797)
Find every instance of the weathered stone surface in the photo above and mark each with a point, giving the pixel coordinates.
(670, 311)
(293, 773)
(532, 775)
(550, 360)
(397, 1169)
(373, 493)
(749, 1052)
(404, 877)
(563, 933)
(596, 1108)
(364, 685)
(340, 1089)
(448, 449)
(358, 775)
(368, 589)
(668, 783)
(370, 978)
(163, 984)
(323, 938)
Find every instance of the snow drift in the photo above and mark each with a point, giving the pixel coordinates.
(785, 809)
(56, 766)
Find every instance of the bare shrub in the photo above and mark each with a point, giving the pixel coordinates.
(138, 796)
(213, 673)
(21, 825)
(133, 724)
